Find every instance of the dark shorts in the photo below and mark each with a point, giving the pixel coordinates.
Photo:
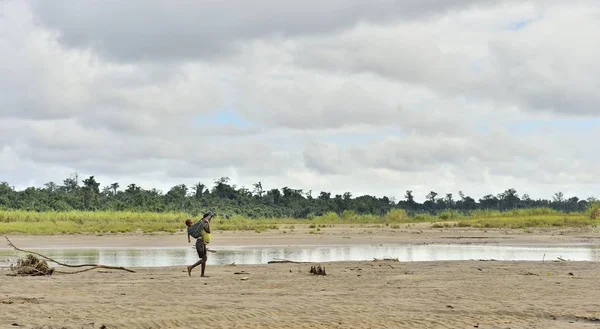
(201, 249)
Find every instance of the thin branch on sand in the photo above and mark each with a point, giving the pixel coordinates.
(285, 261)
(93, 266)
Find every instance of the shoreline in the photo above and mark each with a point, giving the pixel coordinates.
(305, 236)
(474, 293)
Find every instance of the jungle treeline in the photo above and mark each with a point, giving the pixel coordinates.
(227, 199)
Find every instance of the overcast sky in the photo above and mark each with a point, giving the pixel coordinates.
(367, 96)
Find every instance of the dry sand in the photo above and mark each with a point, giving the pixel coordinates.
(465, 294)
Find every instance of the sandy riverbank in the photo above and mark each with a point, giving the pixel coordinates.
(470, 294)
(338, 235)
(466, 294)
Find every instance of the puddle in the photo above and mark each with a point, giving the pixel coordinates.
(158, 257)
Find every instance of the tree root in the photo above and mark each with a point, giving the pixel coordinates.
(48, 271)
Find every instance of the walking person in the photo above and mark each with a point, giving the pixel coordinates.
(201, 232)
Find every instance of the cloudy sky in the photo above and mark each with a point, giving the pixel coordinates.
(367, 96)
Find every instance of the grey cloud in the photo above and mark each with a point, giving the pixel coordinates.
(540, 159)
(311, 107)
(499, 145)
(21, 174)
(203, 29)
(415, 153)
(39, 79)
(67, 142)
(327, 159)
(404, 53)
(525, 68)
(564, 82)
(32, 86)
(247, 159)
(434, 121)
(409, 154)
(316, 102)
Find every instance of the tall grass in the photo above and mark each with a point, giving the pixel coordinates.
(72, 222)
(31, 222)
(515, 213)
(593, 210)
(524, 218)
(526, 222)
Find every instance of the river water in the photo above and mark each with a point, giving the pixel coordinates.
(178, 256)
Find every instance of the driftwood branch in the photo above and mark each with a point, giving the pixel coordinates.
(87, 269)
(385, 259)
(93, 266)
(284, 261)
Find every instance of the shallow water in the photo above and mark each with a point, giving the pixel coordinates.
(158, 257)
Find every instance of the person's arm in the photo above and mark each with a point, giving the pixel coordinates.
(207, 227)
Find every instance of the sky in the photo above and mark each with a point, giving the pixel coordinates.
(368, 96)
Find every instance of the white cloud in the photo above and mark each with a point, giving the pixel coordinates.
(380, 98)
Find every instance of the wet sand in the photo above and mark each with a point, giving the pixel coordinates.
(338, 235)
(369, 294)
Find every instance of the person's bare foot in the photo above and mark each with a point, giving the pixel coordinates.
(189, 268)
(205, 276)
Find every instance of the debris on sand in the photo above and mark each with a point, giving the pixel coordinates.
(284, 261)
(317, 270)
(42, 268)
(386, 260)
(31, 265)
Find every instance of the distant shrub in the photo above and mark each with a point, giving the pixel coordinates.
(328, 217)
(424, 218)
(396, 215)
(349, 215)
(449, 214)
(594, 210)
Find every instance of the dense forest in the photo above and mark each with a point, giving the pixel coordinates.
(227, 199)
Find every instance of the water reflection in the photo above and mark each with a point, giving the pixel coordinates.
(157, 257)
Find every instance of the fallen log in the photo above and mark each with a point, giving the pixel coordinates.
(92, 266)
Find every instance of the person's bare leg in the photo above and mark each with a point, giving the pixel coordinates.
(190, 268)
(203, 267)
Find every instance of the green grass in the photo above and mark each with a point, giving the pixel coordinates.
(74, 222)
(520, 222)
(528, 218)
(44, 223)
